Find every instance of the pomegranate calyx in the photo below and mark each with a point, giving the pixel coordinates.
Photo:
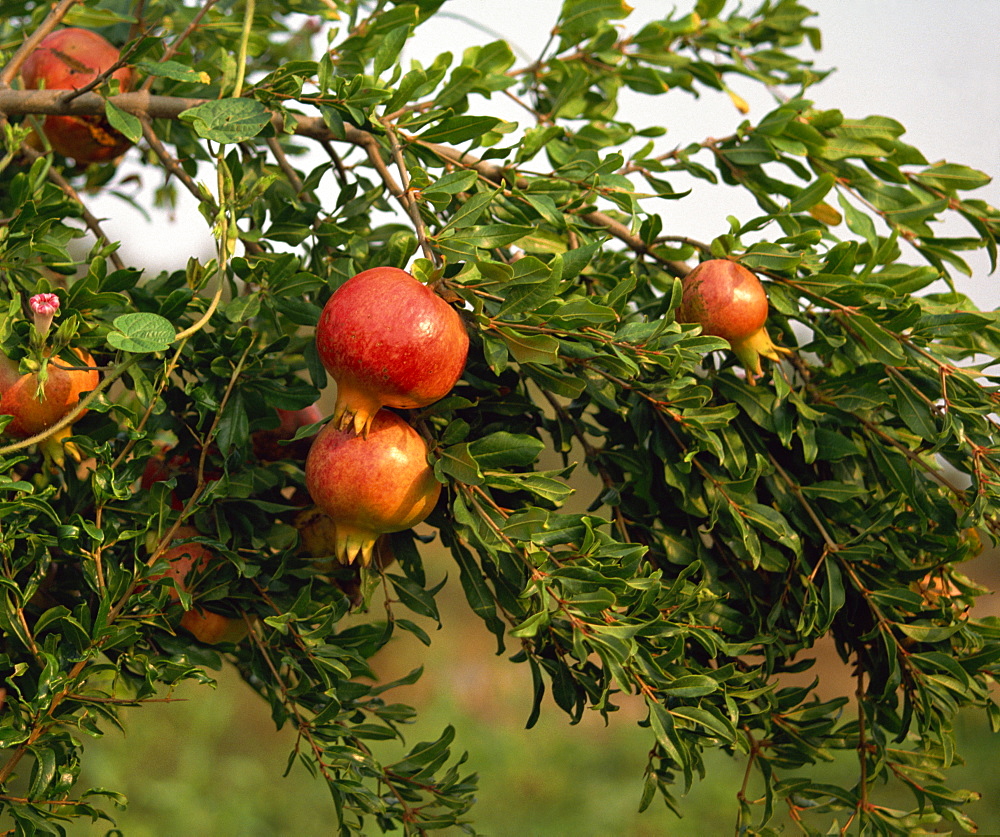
(355, 408)
(353, 544)
(751, 349)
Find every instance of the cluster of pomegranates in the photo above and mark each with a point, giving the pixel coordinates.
(387, 340)
(70, 59)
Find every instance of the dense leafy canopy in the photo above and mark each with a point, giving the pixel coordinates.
(731, 526)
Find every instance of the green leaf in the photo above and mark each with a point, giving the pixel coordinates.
(928, 633)
(580, 19)
(709, 718)
(952, 178)
(770, 257)
(532, 284)
(468, 213)
(663, 728)
(141, 333)
(831, 490)
(415, 597)
(813, 193)
(533, 348)
(531, 626)
(913, 410)
(858, 222)
(125, 123)
(503, 449)
(488, 236)
(174, 70)
(456, 461)
(477, 592)
(456, 129)
(691, 685)
(883, 346)
(91, 18)
(455, 182)
(389, 47)
(228, 120)
(234, 426)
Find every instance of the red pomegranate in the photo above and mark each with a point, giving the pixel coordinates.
(184, 558)
(212, 628)
(68, 60)
(62, 390)
(388, 341)
(370, 485)
(267, 444)
(728, 301)
(205, 625)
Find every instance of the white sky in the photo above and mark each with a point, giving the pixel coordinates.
(933, 66)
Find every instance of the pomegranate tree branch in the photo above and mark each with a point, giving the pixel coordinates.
(147, 106)
(168, 161)
(407, 198)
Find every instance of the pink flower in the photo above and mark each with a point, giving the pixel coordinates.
(45, 307)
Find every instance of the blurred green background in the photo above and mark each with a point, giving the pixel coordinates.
(211, 764)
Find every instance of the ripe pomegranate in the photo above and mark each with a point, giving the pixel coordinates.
(267, 443)
(370, 485)
(205, 625)
(318, 542)
(388, 341)
(212, 628)
(62, 390)
(728, 301)
(68, 60)
(184, 558)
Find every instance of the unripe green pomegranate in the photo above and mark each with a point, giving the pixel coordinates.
(370, 485)
(728, 301)
(388, 341)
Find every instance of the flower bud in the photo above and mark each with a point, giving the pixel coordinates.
(44, 307)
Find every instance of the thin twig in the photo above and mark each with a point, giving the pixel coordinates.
(93, 224)
(99, 79)
(172, 48)
(146, 106)
(407, 198)
(282, 160)
(170, 163)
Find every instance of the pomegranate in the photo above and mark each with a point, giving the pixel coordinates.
(728, 301)
(205, 625)
(212, 628)
(68, 60)
(267, 443)
(184, 558)
(388, 341)
(370, 485)
(62, 390)
(317, 542)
